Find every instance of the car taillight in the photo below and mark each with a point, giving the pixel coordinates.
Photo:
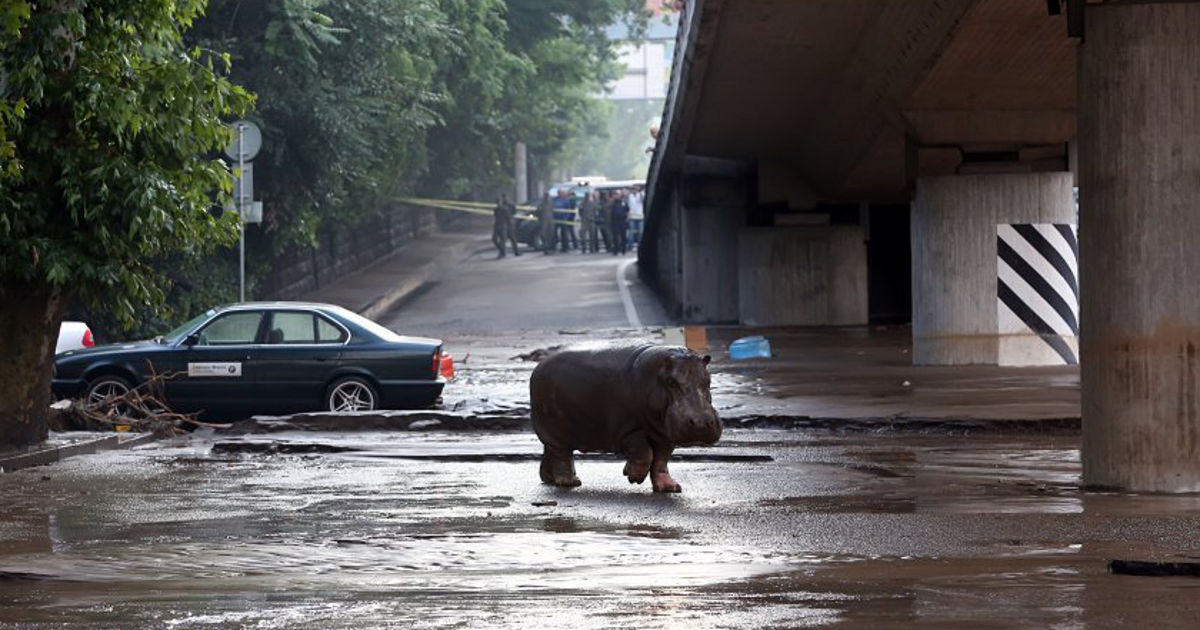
(437, 361)
(88, 342)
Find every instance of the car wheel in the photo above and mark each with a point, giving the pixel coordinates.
(105, 387)
(351, 393)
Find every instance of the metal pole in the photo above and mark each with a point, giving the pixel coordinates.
(520, 173)
(241, 202)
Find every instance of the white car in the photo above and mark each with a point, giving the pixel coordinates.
(73, 336)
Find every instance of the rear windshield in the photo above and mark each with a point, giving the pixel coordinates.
(362, 322)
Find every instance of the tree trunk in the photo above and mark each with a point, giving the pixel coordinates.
(29, 321)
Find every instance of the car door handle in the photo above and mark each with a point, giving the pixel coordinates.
(321, 359)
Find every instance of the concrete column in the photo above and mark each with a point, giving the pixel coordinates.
(710, 263)
(712, 211)
(954, 257)
(1139, 185)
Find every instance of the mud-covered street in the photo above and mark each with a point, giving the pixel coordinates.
(969, 513)
(856, 530)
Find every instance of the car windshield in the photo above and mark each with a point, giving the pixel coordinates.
(368, 325)
(175, 335)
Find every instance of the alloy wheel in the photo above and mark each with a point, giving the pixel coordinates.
(351, 395)
(105, 390)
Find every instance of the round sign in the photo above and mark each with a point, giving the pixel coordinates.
(247, 140)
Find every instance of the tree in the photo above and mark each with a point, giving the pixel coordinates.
(524, 70)
(344, 98)
(112, 125)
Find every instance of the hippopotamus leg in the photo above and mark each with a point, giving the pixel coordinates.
(638, 456)
(660, 478)
(558, 468)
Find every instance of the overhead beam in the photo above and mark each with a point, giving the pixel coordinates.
(893, 54)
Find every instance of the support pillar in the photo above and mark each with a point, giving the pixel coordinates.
(958, 315)
(713, 210)
(710, 264)
(1139, 185)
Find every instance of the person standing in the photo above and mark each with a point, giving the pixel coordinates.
(603, 205)
(546, 223)
(636, 216)
(618, 218)
(502, 226)
(564, 217)
(587, 224)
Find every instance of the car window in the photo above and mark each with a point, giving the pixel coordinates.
(232, 329)
(371, 327)
(177, 334)
(328, 333)
(291, 327)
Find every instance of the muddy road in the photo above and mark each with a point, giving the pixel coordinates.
(947, 523)
(851, 531)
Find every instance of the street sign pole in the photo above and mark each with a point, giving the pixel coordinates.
(243, 149)
(241, 203)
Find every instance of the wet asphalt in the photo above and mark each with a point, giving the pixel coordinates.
(423, 528)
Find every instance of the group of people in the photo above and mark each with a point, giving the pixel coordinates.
(612, 218)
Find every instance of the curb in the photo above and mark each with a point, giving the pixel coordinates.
(43, 457)
(517, 420)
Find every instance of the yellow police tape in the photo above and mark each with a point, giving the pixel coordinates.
(476, 207)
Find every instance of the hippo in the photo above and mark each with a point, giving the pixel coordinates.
(639, 401)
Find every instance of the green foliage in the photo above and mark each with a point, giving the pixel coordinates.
(344, 99)
(112, 123)
(13, 15)
(549, 59)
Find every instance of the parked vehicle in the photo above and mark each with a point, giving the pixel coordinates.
(73, 336)
(263, 358)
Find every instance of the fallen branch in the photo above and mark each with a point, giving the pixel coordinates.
(142, 408)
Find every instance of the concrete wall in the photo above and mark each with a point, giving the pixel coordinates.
(665, 262)
(712, 210)
(954, 269)
(810, 276)
(303, 269)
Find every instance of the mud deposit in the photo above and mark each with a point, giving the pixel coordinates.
(429, 530)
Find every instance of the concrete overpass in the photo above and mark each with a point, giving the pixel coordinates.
(834, 162)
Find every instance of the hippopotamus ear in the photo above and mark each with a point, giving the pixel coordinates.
(706, 359)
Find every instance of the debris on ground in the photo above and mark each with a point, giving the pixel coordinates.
(140, 409)
(539, 355)
(754, 347)
(1154, 569)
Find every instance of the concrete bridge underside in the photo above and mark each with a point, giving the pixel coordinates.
(830, 162)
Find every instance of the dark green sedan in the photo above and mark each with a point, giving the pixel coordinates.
(267, 357)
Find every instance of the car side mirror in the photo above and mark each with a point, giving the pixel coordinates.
(191, 340)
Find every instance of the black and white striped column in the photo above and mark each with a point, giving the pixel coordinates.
(956, 283)
(1037, 294)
